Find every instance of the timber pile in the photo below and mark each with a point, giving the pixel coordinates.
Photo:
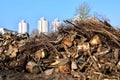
(83, 50)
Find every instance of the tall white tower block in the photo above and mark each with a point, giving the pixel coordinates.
(23, 27)
(43, 26)
(55, 25)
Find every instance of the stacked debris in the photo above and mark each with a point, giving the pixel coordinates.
(9, 49)
(83, 50)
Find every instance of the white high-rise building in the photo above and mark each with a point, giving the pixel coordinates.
(23, 27)
(43, 26)
(55, 25)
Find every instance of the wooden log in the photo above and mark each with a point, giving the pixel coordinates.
(74, 65)
(95, 40)
(32, 67)
(42, 53)
(63, 65)
(83, 47)
(67, 42)
(64, 68)
(12, 51)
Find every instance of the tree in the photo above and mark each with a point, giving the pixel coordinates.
(83, 11)
(34, 33)
(101, 17)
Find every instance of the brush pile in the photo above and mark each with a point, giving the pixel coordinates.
(82, 50)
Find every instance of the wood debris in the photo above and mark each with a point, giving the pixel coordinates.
(82, 50)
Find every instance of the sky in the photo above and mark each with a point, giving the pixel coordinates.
(13, 11)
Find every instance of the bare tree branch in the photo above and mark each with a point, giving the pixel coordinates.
(83, 11)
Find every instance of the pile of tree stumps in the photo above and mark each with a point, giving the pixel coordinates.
(80, 50)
